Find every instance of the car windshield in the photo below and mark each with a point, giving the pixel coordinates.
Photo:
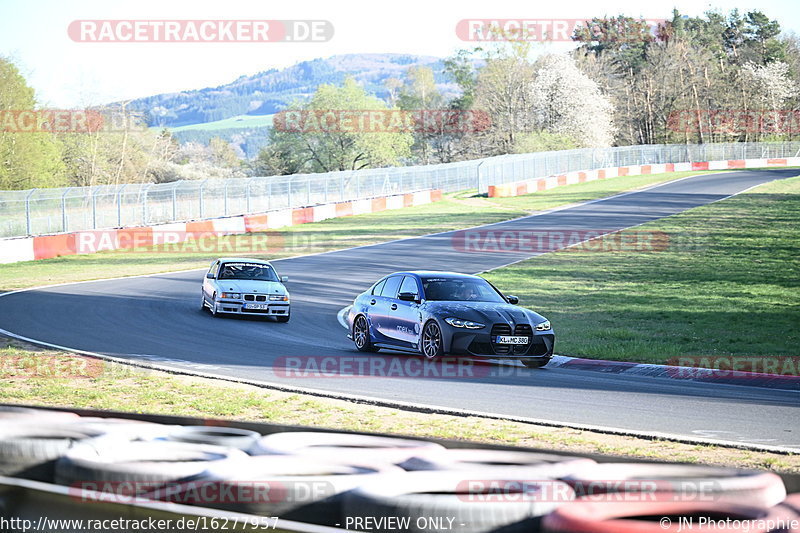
(460, 290)
(251, 271)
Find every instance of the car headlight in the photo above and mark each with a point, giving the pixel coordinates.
(279, 298)
(543, 326)
(232, 295)
(461, 323)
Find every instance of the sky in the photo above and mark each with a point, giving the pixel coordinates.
(64, 73)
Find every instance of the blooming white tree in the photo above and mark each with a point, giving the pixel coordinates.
(567, 102)
(771, 85)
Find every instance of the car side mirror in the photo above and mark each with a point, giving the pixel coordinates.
(513, 300)
(284, 279)
(210, 275)
(407, 296)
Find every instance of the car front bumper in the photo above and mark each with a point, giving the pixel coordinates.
(480, 344)
(238, 308)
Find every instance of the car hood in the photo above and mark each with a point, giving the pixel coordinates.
(251, 286)
(484, 312)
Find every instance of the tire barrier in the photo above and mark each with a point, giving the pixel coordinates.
(652, 517)
(792, 504)
(375, 483)
(680, 483)
(345, 446)
(145, 464)
(549, 465)
(123, 428)
(292, 487)
(474, 501)
(218, 436)
(30, 451)
(17, 414)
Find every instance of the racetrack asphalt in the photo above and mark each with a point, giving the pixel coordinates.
(158, 318)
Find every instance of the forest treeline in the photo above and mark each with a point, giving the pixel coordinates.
(689, 80)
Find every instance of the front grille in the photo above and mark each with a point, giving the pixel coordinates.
(501, 329)
(522, 330)
(255, 298)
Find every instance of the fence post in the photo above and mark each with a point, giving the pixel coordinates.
(202, 199)
(225, 200)
(175, 201)
(94, 208)
(64, 209)
(247, 196)
(119, 205)
(144, 204)
(269, 195)
(308, 190)
(28, 225)
(341, 188)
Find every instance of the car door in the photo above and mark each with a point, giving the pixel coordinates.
(383, 320)
(209, 285)
(405, 314)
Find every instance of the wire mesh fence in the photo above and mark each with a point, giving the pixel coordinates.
(43, 211)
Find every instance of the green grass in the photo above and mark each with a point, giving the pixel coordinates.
(239, 121)
(49, 378)
(456, 211)
(728, 283)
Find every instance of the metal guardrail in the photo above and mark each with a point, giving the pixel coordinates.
(43, 211)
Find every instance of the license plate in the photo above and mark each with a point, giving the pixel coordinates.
(256, 306)
(508, 339)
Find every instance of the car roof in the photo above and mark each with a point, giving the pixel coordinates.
(242, 260)
(434, 273)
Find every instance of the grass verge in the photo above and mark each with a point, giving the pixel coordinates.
(50, 378)
(726, 282)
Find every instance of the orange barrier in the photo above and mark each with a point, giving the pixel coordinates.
(135, 237)
(302, 215)
(54, 245)
(253, 223)
(378, 204)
